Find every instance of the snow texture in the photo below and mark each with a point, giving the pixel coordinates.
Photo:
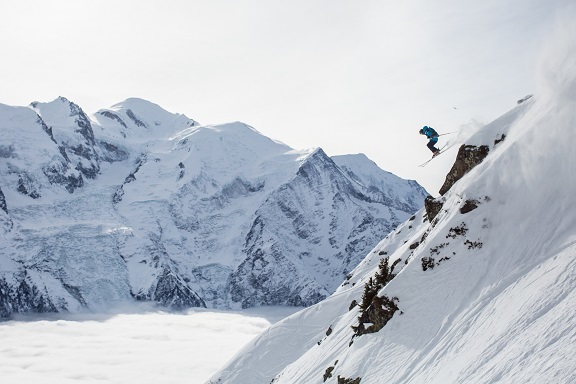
(486, 293)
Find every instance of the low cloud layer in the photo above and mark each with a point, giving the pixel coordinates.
(129, 348)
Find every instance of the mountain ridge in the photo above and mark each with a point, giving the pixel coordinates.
(137, 203)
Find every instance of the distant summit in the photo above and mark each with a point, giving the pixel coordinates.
(138, 203)
(140, 119)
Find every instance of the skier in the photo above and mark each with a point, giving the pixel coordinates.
(433, 136)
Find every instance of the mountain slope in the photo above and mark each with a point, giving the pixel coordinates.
(482, 292)
(137, 203)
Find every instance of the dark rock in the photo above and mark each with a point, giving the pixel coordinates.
(26, 186)
(433, 207)
(113, 116)
(133, 117)
(497, 141)
(428, 263)
(473, 244)
(46, 128)
(460, 230)
(112, 153)
(6, 223)
(343, 380)
(3, 205)
(56, 174)
(353, 305)
(328, 373)
(523, 99)
(85, 128)
(380, 311)
(376, 310)
(172, 292)
(469, 206)
(467, 158)
(23, 298)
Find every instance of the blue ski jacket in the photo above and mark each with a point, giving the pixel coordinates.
(429, 132)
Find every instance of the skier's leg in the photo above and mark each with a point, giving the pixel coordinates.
(433, 142)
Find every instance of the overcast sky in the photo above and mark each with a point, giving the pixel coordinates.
(348, 76)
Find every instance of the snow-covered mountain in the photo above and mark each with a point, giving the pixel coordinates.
(135, 202)
(477, 287)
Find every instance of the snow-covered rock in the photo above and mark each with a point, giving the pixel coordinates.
(137, 203)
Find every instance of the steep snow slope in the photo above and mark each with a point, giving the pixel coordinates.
(483, 294)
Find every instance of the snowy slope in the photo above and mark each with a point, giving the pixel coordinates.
(483, 294)
(138, 203)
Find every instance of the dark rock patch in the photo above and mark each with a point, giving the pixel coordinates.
(469, 206)
(433, 207)
(467, 158)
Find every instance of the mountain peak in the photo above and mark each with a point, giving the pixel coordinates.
(141, 119)
(138, 104)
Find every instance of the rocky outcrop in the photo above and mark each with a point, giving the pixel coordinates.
(467, 158)
(524, 99)
(3, 205)
(23, 297)
(469, 206)
(172, 292)
(433, 207)
(60, 174)
(69, 127)
(6, 223)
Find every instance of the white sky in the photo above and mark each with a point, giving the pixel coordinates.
(348, 76)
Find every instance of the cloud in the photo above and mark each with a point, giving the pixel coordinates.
(142, 347)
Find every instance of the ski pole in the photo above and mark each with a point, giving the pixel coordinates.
(449, 133)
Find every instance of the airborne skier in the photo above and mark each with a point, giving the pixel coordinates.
(433, 136)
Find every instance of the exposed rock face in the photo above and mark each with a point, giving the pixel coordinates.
(343, 380)
(172, 292)
(71, 129)
(469, 206)
(378, 314)
(6, 223)
(467, 158)
(3, 205)
(296, 272)
(23, 297)
(433, 207)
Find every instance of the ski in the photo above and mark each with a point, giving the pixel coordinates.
(442, 150)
